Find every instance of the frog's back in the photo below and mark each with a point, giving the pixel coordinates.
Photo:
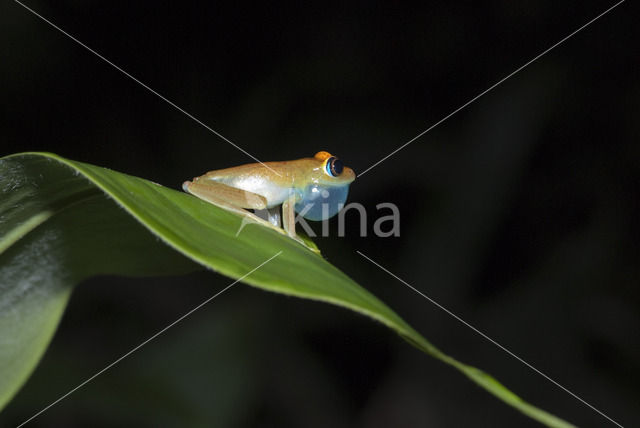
(280, 172)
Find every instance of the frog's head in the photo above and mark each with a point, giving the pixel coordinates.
(327, 188)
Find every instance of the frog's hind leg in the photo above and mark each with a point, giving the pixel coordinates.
(230, 198)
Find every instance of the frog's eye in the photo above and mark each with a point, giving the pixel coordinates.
(334, 166)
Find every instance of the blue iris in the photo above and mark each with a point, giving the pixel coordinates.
(320, 203)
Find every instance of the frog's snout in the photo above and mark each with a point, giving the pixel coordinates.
(185, 186)
(349, 174)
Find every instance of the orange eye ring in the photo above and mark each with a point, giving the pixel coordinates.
(322, 155)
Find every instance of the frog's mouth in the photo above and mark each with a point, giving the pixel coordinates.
(321, 202)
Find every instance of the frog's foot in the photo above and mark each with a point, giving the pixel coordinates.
(307, 242)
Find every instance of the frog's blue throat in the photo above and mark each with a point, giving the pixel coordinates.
(319, 202)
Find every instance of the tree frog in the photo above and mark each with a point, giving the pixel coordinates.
(316, 188)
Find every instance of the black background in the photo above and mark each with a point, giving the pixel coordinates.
(519, 213)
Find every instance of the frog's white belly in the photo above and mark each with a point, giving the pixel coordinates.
(274, 194)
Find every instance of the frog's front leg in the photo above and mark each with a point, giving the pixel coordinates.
(289, 223)
(289, 216)
(229, 198)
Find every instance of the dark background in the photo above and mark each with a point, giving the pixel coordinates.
(519, 213)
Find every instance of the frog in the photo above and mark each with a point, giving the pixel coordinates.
(315, 188)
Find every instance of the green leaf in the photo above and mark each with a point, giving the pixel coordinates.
(63, 221)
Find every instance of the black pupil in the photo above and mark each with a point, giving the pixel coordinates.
(336, 167)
